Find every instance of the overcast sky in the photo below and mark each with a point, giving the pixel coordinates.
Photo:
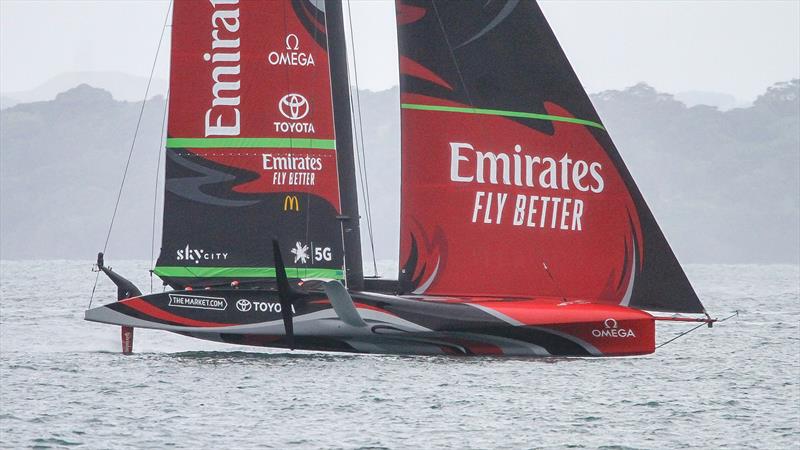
(735, 47)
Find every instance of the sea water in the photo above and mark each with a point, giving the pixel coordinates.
(64, 383)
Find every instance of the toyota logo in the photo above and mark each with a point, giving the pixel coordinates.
(293, 106)
(244, 305)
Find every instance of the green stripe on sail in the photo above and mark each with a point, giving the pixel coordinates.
(244, 272)
(324, 144)
(498, 112)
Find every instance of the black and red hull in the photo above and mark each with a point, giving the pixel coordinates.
(395, 324)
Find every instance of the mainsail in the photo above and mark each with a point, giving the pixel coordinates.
(511, 185)
(252, 149)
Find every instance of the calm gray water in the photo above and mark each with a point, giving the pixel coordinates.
(64, 384)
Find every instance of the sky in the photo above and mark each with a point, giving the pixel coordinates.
(734, 47)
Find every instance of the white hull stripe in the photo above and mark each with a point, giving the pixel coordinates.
(587, 346)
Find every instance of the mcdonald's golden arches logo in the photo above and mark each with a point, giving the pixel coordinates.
(291, 203)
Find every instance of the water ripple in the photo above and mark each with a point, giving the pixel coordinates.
(64, 383)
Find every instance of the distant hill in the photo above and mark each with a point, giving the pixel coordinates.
(60, 165)
(122, 85)
(7, 102)
(724, 185)
(721, 101)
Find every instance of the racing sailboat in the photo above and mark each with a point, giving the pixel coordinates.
(522, 231)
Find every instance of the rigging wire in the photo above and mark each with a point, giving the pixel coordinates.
(161, 146)
(133, 144)
(94, 288)
(138, 125)
(361, 153)
(452, 53)
(735, 314)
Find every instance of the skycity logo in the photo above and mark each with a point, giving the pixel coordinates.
(294, 107)
(197, 255)
(291, 56)
(610, 330)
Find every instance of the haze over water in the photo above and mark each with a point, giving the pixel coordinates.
(64, 382)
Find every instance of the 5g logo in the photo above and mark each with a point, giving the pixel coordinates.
(322, 254)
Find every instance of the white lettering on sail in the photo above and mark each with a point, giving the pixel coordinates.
(593, 169)
(469, 165)
(502, 168)
(579, 171)
(197, 255)
(292, 170)
(455, 158)
(493, 166)
(555, 213)
(291, 162)
(292, 56)
(223, 118)
(294, 107)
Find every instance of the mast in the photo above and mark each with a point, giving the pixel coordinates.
(340, 86)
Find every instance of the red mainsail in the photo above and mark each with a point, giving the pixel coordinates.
(511, 186)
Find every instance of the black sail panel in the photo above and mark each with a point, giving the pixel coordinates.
(508, 172)
(252, 150)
